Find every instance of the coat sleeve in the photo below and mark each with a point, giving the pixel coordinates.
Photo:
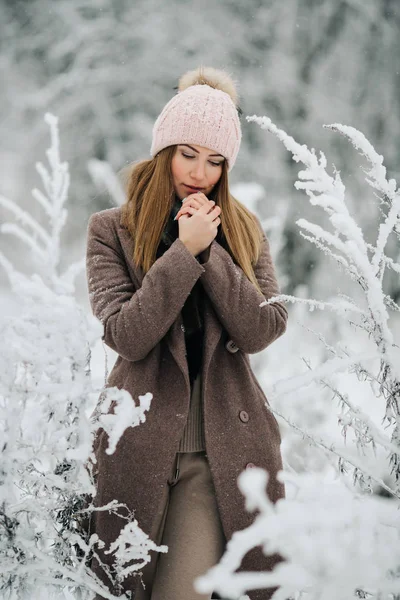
(237, 301)
(135, 320)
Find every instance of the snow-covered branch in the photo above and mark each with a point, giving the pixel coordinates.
(47, 478)
(338, 539)
(326, 534)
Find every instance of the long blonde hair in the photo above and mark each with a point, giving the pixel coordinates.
(150, 197)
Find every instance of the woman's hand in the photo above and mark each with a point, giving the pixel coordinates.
(194, 201)
(198, 227)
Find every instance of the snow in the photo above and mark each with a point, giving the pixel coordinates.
(46, 429)
(332, 381)
(335, 534)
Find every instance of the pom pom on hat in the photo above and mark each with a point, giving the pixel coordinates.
(215, 78)
(203, 112)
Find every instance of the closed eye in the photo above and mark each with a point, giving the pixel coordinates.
(216, 164)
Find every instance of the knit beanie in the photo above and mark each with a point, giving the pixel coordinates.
(204, 112)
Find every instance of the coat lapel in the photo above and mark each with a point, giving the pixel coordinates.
(175, 337)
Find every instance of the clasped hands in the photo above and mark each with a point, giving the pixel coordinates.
(190, 205)
(194, 201)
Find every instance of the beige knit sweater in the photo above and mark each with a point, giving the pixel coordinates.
(193, 435)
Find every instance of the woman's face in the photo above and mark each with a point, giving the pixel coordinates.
(195, 166)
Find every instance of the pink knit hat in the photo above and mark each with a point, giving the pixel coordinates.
(203, 112)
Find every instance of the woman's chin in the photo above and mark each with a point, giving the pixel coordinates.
(180, 195)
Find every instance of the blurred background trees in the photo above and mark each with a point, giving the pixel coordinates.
(107, 68)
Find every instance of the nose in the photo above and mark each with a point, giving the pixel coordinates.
(197, 172)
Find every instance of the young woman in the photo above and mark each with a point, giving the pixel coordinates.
(178, 276)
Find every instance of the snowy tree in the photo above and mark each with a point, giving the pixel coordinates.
(339, 539)
(47, 476)
(97, 65)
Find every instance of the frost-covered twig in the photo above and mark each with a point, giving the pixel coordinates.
(342, 455)
(328, 193)
(299, 383)
(340, 307)
(331, 545)
(376, 177)
(45, 246)
(102, 173)
(325, 533)
(46, 475)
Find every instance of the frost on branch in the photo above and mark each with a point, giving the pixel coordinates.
(339, 541)
(46, 392)
(126, 414)
(334, 542)
(132, 545)
(44, 244)
(363, 262)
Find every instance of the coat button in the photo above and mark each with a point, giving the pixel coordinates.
(231, 346)
(243, 416)
(250, 465)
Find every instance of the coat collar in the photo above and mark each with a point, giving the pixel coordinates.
(175, 337)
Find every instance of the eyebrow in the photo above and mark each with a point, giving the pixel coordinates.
(194, 150)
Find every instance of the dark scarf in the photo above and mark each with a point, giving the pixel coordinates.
(192, 311)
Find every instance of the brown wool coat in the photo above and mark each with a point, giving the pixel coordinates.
(143, 324)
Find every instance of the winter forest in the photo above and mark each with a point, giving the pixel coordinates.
(319, 89)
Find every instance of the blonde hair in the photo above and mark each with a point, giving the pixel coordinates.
(150, 197)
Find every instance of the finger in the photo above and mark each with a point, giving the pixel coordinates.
(214, 212)
(192, 202)
(183, 210)
(199, 196)
(189, 199)
(207, 206)
(184, 216)
(187, 209)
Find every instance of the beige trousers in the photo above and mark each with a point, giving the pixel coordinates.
(189, 524)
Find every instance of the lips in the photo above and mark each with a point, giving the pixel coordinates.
(193, 188)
